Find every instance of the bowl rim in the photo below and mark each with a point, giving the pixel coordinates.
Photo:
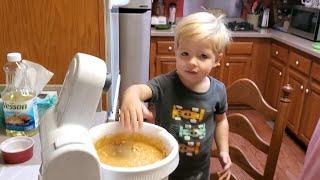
(174, 153)
(15, 139)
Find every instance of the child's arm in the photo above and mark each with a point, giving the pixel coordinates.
(132, 109)
(221, 138)
(222, 132)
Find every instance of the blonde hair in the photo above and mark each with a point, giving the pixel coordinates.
(203, 25)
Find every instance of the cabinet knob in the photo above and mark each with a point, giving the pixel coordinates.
(218, 64)
(170, 48)
(280, 73)
(297, 62)
(227, 64)
(301, 87)
(307, 91)
(277, 52)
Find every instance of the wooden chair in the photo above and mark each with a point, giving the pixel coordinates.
(245, 91)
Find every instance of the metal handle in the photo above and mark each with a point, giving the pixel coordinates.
(227, 64)
(280, 73)
(277, 52)
(297, 62)
(301, 87)
(170, 48)
(307, 91)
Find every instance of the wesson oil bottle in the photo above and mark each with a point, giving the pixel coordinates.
(19, 100)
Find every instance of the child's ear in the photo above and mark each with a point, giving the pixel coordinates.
(218, 59)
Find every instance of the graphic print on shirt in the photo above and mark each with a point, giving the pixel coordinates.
(194, 116)
(191, 129)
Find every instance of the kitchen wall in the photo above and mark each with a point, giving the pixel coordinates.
(234, 7)
(192, 6)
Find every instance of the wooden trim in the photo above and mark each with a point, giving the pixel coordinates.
(239, 48)
(153, 52)
(102, 24)
(315, 71)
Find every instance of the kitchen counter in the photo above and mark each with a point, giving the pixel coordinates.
(29, 169)
(286, 38)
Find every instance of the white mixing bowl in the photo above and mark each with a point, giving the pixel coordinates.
(158, 170)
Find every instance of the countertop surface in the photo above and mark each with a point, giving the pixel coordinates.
(29, 170)
(286, 38)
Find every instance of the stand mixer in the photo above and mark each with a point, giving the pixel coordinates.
(67, 143)
(67, 149)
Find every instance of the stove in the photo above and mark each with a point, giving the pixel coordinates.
(239, 26)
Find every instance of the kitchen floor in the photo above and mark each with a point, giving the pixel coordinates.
(291, 158)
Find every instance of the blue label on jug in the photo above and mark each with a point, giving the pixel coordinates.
(21, 116)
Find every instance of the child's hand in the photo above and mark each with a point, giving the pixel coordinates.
(132, 112)
(226, 163)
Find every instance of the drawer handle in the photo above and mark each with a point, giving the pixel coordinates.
(170, 48)
(307, 91)
(277, 52)
(301, 87)
(297, 62)
(227, 64)
(280, 73)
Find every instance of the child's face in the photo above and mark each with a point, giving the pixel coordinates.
(195, 59)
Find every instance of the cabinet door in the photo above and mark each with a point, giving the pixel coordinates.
(51, 32)
(298, 82)
(310, 113)
(165, 64)
(235, 67)
(274, 82)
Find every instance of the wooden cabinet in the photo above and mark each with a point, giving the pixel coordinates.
(162, 56)
(297, 76)
(165, 64)
(274, 82)
(301, 71)
(298, 82)
(310, 112)
(276, 73)
(50, 32)
(235, 63)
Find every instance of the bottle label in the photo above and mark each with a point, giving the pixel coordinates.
(21, 116)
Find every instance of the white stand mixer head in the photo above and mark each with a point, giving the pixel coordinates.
(67, 149)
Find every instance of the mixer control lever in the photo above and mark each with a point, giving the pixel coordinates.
(107, 83)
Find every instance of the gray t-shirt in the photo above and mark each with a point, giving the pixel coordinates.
(189, 117)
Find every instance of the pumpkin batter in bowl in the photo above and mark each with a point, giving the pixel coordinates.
(153, 135)
(130, 150)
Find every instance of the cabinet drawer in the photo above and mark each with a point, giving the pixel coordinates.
(238, 48)
(280, 53)
(299, 63)
(165, 47)
(315, 71)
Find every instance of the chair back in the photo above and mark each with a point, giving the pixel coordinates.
(246, 92)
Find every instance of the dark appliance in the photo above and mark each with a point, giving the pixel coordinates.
(304, 22)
